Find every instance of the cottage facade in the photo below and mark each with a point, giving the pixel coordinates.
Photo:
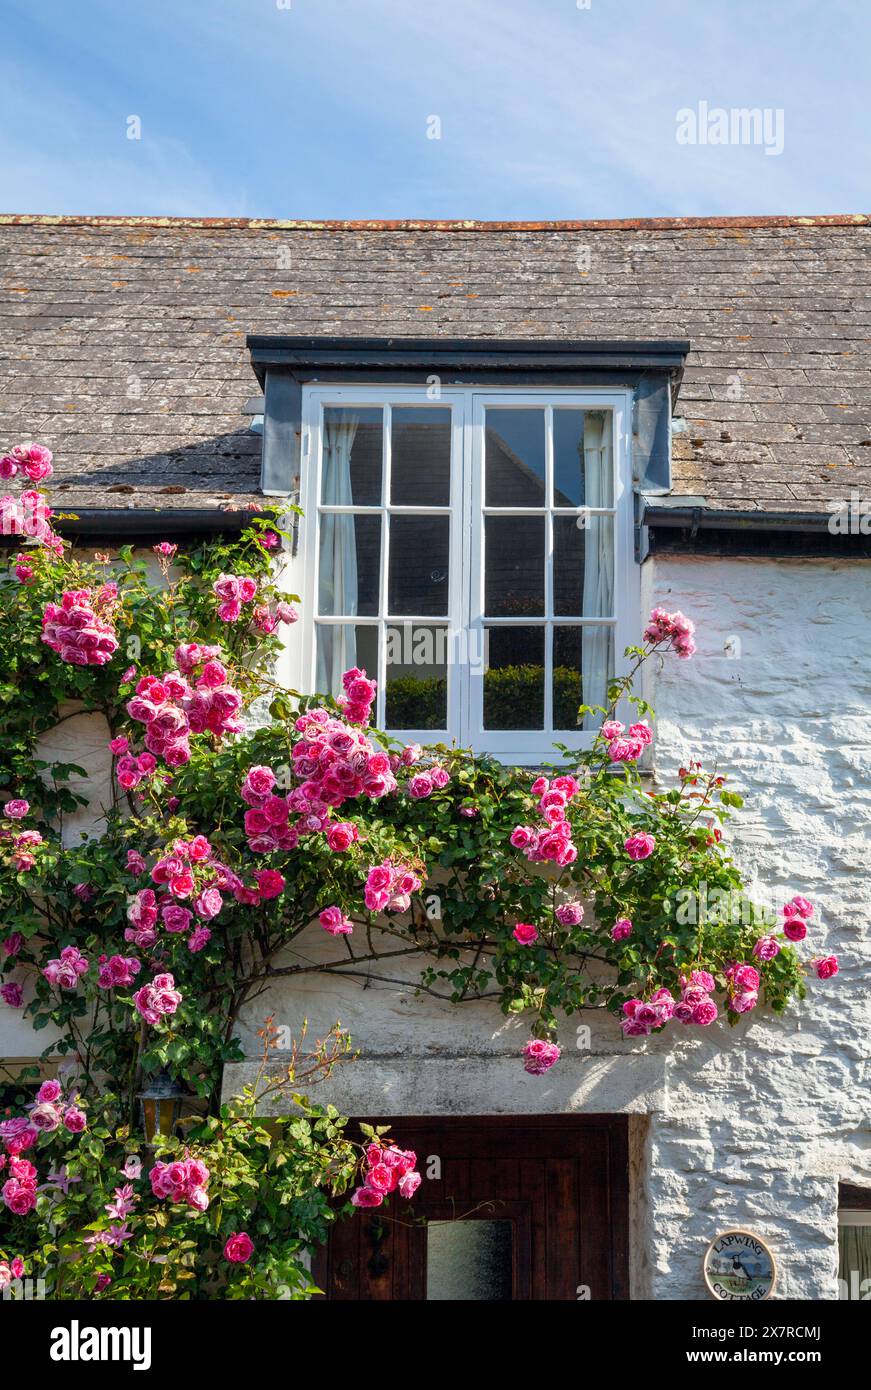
(519, 438)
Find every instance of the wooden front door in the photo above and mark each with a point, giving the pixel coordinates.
(518, 1208)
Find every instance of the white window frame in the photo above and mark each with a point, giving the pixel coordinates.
(465, 685)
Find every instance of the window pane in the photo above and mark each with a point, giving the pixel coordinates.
(416, 661)
(514, 458)
(349, 565)
(352, 458)
(469, 1261)
(514, 678)
(582, 471)
(854, 1261)
(419, 556)
(583, 566)
(420, 460)
(341, 646)
(352, 466)
(514, 566)
(583, 661)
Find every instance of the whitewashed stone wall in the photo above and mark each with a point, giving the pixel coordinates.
(753, 1125)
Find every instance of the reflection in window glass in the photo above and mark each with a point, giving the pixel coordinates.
(514, 678)
(341, 646)
(420, 460)
(419, 556)
(514, 566)
(469, 1261)
(416, 662)
(583, 658)
(582, 468)
(514, 458)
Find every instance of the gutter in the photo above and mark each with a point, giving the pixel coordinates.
(135, 522)
(689, 526)
(697, 517)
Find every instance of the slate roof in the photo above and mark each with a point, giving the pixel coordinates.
(122, 340)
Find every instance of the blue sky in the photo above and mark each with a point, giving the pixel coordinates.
(320, 108)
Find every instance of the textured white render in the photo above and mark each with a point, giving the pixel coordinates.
(747, 1126)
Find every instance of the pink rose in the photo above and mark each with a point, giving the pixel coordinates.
(420, 786)
(367, 1197)
(799, 907)
(75, 1119)
(522, 836)
(826, 967)
(766, 948)
(795, 929)
(270, 883)
(640, 846)
(209, 903)
(45, 1117)
(341, 835)
(49, 1091)
(333, 920)
(176, 918)
(16, 810)
(705, 1012)
(226, 586)
(408, 1185)
(742, 1003)
(525, 933)
(743, 977)
(539, 1056)
(569, 914)
(621, 929)
(239, 1248)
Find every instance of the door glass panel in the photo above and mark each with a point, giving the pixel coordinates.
(514, 458)
(420, 460)
(349, 564)
(514, 678)
(469, 1261)
(341, 646)
(352, 462)
(582, 467)
(416, 661)
(514, 566)
(583, 566)
(419, 555)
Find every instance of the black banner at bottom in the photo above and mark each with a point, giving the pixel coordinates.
(159, 1337)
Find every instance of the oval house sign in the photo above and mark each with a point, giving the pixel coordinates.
(739, 1266)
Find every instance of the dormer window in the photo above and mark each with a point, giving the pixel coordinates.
(469, 528)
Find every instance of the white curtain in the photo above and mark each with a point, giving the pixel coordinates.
(598, 560)
(855, 1259)
(337, 646)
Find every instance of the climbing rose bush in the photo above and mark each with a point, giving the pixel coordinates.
(245, 815)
